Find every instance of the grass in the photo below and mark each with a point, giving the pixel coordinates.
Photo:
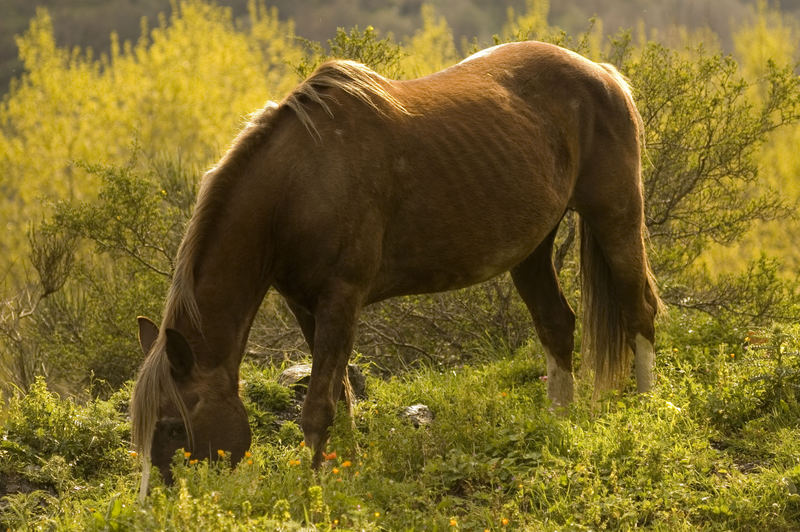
(716, 446)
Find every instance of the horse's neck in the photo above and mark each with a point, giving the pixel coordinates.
(229, 283)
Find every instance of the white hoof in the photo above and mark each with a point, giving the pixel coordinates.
(560, 383)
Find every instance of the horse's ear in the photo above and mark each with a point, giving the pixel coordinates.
(148, 332)
(179, 354)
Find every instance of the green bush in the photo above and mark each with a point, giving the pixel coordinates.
(52, 441)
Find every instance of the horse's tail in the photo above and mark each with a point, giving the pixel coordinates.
(603, 345)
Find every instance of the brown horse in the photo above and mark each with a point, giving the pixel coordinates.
(357, 188)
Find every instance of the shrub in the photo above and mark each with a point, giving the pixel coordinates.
(50, 440)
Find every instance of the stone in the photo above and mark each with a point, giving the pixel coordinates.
(418, 414)
(297, 377)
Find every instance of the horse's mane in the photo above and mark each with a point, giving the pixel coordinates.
(155, 381)
(353, 78)
(155, 378)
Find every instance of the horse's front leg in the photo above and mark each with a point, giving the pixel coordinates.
(336, 317)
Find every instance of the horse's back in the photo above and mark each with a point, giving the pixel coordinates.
(464, 182)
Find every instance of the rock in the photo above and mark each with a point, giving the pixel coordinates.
(418, 414)
(12, 482)
(357, 381)
(297, 377)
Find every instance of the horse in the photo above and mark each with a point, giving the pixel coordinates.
(356, 188)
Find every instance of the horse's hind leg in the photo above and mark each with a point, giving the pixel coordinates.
(618, 286)
(537, 284)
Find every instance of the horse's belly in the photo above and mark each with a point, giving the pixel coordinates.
(444, 256)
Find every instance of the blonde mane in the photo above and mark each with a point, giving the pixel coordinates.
(353, 78)
(155, 381)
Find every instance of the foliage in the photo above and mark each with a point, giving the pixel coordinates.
(50, 441)
(431, 48)
(770, 40)
(182, 88)
(530, 24)
(265, 400)
(701, 166)
(382, 55)
(102, 255)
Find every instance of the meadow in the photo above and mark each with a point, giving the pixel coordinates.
(714, 447)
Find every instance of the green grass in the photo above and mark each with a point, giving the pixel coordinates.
(716, 446)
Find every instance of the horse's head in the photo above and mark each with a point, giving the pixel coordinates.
(195, 408)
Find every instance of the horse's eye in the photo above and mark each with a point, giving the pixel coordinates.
(176, 431)
(171, 429)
